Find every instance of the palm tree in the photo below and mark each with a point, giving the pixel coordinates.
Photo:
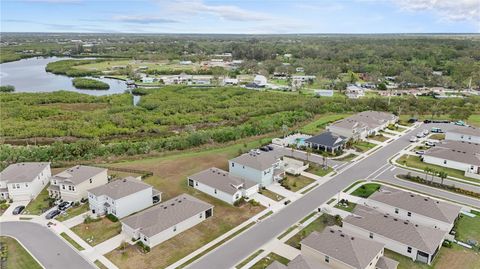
(427, 171)
(434, 173)
(308, 152)
(443, 175)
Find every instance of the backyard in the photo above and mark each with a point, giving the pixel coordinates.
(16, 256)
(468, 228)
(296, 183)
(270, 258)
(316, 226)
(362, 146)
(314, 128)
(366, 190)
(96, 231)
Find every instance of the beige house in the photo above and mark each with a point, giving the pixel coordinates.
(363, 124)
(24, 181)
(73, 183)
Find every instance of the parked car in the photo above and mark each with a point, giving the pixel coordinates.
(420, 135)
(18, 210)
(413, 139)
(65, 205)
(460, 123)
(426, 131)
(287, 202)
(270, 147)
(420, 152)
(437, 130)
(430, 144)
(412, 120)
(264, 148)
(52, 214)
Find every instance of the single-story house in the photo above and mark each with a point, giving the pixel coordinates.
(326, 141)
(165, 220)
(73, 183)
(261, 167)
(122, 197)
(354, 92)
(418, 242)
(324, 93)
(465, 134)
(222, 185)
(24, 181)
(260, 81)
(363, 124)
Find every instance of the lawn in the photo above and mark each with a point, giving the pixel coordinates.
(296, 183)
(468, 228)
(73, 212)
(379, 138)
(318, 170)
(272, 195)
(160, 65)
(97, 231)
(437, 136)
(474, 120)
(317, 225)
(347, 158)
(353, 185)
(416, 162)
(314, 128)
(366, 190)
(17, 257)
(251, 257)
(40, 204)
(71, 241)
(349, 208)
(169, 176)
(270, 258)
(100, 265)
(362, 146)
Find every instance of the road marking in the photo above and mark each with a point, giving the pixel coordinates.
(393, 168)
(381, 167)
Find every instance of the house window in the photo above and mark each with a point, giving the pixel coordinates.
(26, 185)
(409, 214)
(13, 186)
(54, 182)
(327, 259)
(63, 186)
(201, 215)
(145, 239)
(371, 235)
(90, 180)
(190, 182)
(396, 210)
(196, 183)
(18, 186)
(409, 250)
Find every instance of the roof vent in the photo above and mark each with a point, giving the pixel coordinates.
(426, 199)
(411, 195)
(124, 180)
(405, 222)
(172, 204)
(385, 216)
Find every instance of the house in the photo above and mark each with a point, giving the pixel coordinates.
(73, 183)
(261, 167)
(229, 81)
(165, 220)
(324, 93)
(363, 124)
(333, 249)
(24, 181)
(418, 242)
(465, 134)
(299, 70)
(148, 79)
(260, 81)
(415, 208)
(326, 141)
(122, 197)
(464, 156)
(354, 92)
(222, 185)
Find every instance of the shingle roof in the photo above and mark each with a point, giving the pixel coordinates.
(78, 174)
(417, 204)
(365, 119)
(466, 130)
(354, 251)
(222, 180)
(120, 188)
(459, 151)
(22, 172)
(327, 139)
(260, 161)
(386, 263)
(420, 237)
(276, 265)
(167, 214)
(305, 262)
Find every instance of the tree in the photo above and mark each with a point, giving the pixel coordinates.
(443, 175)
(382, 87)
(308, 152)
(434, 173)
(427, 171)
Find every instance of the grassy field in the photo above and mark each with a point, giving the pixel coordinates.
(73, 212)
(317, 225)
(96, 232)
(347, 158)
(39, 204)
(270, 258)
(321, 122)
(71, 241)
(296, 183)
(474, 120)
(468, 228)
(17, 256)
(366, 190)
(159, 66)
(272, 195)
(363, 146)
(169, 176)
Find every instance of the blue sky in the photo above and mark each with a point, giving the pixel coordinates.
(247, 16)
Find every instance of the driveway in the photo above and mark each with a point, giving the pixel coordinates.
(48, 248)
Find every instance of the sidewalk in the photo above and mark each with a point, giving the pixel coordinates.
(75, 220)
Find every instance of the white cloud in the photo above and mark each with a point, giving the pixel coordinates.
(451, 10)
(142, 19)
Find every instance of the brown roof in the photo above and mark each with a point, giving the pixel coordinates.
(167, 214)
(459, 151)
(78, 174)
(420, 237)
(120, 188)
(417, 204)
(222, 180)
(22, 172)
(260, 161)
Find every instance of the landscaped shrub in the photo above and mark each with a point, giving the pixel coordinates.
(239, 202)
(439, 185)
(112, 218)
(142, 246)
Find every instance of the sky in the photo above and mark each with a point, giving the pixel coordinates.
(241, 17)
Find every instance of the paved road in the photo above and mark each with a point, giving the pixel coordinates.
(51, 251)
(229, 254)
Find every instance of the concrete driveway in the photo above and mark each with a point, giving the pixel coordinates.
(51, 251)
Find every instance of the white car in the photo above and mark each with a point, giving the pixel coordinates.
(420, 135)
(430, 144)
(420, 152)
(413, 139)
(426, 132)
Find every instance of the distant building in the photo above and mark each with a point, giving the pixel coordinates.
(148, 79)
(24, 181)
(260, 80)
(362, 124)
(354, 92)
(299, 70)
(185, 62)
(230, 81)
(324, 93)
(326, 141)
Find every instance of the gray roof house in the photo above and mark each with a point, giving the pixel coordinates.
(167, 219)
(22, 172)
(362, 124)
(257, 166)
(326, 141)
(24, 181)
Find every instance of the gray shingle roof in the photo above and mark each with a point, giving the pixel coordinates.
(365, 119)
(354, 251)
(78, 174)
(459, 151)
(222, 180)
(420, 237)
(417, 204)
(22, 172)
(327, 139)
(386, 263)
(304, 262)
(260, 161)
(120, 188)
(466, 131)
(276, 265)
(167, 214)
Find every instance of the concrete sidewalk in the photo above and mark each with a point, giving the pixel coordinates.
(111, 244)
(75, 220)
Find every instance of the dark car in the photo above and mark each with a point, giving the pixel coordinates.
(264, 149)
(18, 210)
(270, 147)
(412, 120)
(64, 206)
(52, 214)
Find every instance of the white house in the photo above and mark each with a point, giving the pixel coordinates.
(229, 81)
(261, 167)
(165, 220)
(418, 242)
(415, 208)
(222, 185)
(24, 181)
(260, 81)
(465, 134)
(324, 93)
(122, 197)
(354, 92)
(73, 183)
(362, 124)
(462, 156)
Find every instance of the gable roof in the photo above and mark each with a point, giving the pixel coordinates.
(305, 262)
(276, 265)
(466, 131)
(22, 172)
(78, 174)
(366, 119)
(420, 237)
(120, 188)
(222, 180)
(459, 151)
(328, 139)
(354, 251)
(418, 204)
(167, 214)
(258, 160)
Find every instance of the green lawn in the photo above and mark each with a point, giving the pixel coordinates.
(363, 146)
(73, 212)
(266, 215)
(416, 162)
(71, 241)
(272, 195)
(100, 265)
(296, 183)
(314, 128)
(317, 225)
(366, 190)
(349, 208)
(468, 228)
(347, 158)
(379, 138)
(251, 257)
(353, 185)
(17, 257)
(405, 262)
(96, 232)
(318, 170)
(265, 262)
(474, 120)
(40, 204)
(437, 136)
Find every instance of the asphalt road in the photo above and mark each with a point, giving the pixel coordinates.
(51, 251)
(231, 253)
